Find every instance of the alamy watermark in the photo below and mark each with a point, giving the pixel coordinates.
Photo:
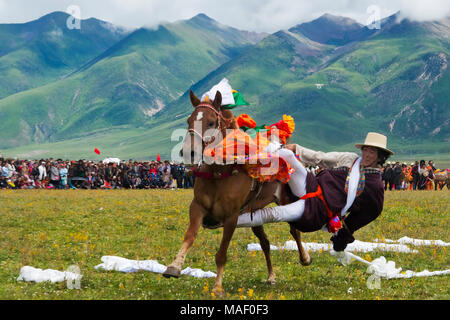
(73, 277)
(74, 20)
(374, 282)
(211, 146)
(374, 20)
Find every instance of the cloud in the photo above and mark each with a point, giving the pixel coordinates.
(418, 10)
(253, 15)
(56, 34)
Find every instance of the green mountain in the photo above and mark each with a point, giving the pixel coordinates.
(41, 51)
(123, 86)
(333, 30)
(338, 80)
(394, 81)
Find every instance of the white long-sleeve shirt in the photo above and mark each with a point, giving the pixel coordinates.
(42, 172)
(327, 160)
(12, 170)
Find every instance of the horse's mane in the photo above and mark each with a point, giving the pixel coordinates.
(229, 117)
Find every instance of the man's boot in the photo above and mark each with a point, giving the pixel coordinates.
(341, 239)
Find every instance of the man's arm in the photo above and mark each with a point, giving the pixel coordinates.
(327, 160)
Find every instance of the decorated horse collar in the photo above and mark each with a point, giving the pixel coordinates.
(216, 175)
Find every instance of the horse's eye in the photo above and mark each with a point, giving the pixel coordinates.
(210, 124)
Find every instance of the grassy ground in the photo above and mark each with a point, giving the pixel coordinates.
(56, 229)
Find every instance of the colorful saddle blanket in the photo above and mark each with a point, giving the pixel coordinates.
(240, 148)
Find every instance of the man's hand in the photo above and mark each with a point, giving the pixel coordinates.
(341, 239)
(291, 147)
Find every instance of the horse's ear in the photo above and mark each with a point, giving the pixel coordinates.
(218, 101)
(194, 100)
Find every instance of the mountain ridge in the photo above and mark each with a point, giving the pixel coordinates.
(148, 66)
(393, 80)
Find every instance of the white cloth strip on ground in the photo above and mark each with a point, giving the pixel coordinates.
(416, 242)
(31, 274)
(126, 265)
(358, 246)
(380, 266)
(383, 268)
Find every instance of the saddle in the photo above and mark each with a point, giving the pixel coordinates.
(281, 192)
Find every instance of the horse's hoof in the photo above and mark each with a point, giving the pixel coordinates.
(271, 282)
(172, 272)
(307, 262)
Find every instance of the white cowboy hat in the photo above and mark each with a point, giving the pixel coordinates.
(376, 140)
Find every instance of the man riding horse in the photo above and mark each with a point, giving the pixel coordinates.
(346, 183)
(223, 191)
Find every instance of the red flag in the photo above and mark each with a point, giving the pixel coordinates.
(158, 158)
(97, 151)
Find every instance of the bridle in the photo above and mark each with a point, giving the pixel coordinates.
(218, 127)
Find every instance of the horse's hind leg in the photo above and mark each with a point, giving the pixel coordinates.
(305, 259)
(265, 245)
(221, 256)
(195, 219)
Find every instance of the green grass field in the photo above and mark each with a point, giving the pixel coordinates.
(56, 229)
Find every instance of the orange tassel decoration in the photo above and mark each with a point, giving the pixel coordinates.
(244, 120)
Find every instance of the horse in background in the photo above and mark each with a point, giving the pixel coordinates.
(442, 178)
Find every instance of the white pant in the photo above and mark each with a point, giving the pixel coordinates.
(289, 212)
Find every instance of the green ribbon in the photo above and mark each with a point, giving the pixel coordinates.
(255, 130)
(238, 101)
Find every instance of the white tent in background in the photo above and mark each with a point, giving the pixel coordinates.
(319, 85)
(108, 160)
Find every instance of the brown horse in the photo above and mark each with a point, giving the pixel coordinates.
(442, 178)
(222, 192)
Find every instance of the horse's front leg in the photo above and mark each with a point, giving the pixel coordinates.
(265, 246)
(221, 256)
(305, 259)
(196, 214)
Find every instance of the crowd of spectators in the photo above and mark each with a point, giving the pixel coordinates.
(84, 174)
(415, 176)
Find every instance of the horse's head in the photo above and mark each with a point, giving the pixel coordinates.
(206, 124)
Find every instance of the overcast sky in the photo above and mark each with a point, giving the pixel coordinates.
(253, 15)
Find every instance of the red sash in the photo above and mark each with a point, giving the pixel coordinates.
(334, 223)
